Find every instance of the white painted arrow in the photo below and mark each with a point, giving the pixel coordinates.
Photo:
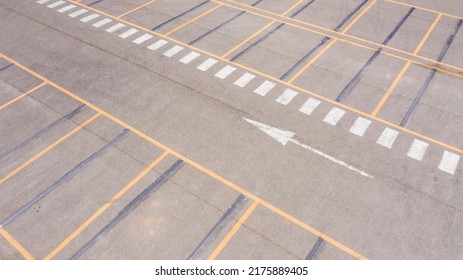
(284, 137)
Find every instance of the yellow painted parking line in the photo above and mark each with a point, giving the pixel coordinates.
(404, 69)
(104, 207)
(47, 149)
(314, 231)
(310, 62)
(136, 9)
(292, 7)
(21, 96)
(390, 89)
(424, 9)
(357, 18)
(247, 39)
(257, 32)
(233, 231)
(327, 47)
(16, 244)
(302, 90)
(426, 36)
(274, 209)
(193, 20)
(185, 159)
(331, 33)
(434, 63)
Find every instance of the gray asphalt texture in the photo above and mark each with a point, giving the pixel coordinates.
(112, 149)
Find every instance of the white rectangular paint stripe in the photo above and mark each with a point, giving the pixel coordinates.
(128, 33)
(56, 4)
(360, 126)
(142, 39)
(334, 116)
(78, 13)
(264, 88)
(244, 80)
(189, 57)
(42, 1)
(67, 8)
(207, 64)
(309, 106)
(224, 72)
(102, 22)
(115, 27)
(157, 45)
(387, 138)
(286, 96)
(89, 18)
(449, 162)
(173, 51)
(417, 149)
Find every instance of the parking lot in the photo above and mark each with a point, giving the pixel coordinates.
(146, 129)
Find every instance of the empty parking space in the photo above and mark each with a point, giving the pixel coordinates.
(112, 7)
(348, 72)
(382, 18)
(274, 55)
(436, 112)
(163, 16)
(338, 123)
(220, 30)
(111, 179)
(149, 231)
(274, 6)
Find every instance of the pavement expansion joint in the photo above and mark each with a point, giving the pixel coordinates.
(417, 150)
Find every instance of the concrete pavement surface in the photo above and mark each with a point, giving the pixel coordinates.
(231, 129)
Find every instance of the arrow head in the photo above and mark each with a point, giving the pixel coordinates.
(277, 134)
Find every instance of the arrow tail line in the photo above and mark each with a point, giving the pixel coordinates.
(335, 160)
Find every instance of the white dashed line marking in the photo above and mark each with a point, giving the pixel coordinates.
(449, 162)
(157, 45)
(78, 13)
(189, 57)
(207, 64)
(224, 72)
(115, 27)
(334, 116)
(128, 33)
(417, 149)
(89, 18)
(56, 4)
(309, 106)
(360, 126)
(387, 138)
(264, 88)
(102, 22)
(173, 51)
(67, 8)
(142, 39)
(244, 80)
(286, 96)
